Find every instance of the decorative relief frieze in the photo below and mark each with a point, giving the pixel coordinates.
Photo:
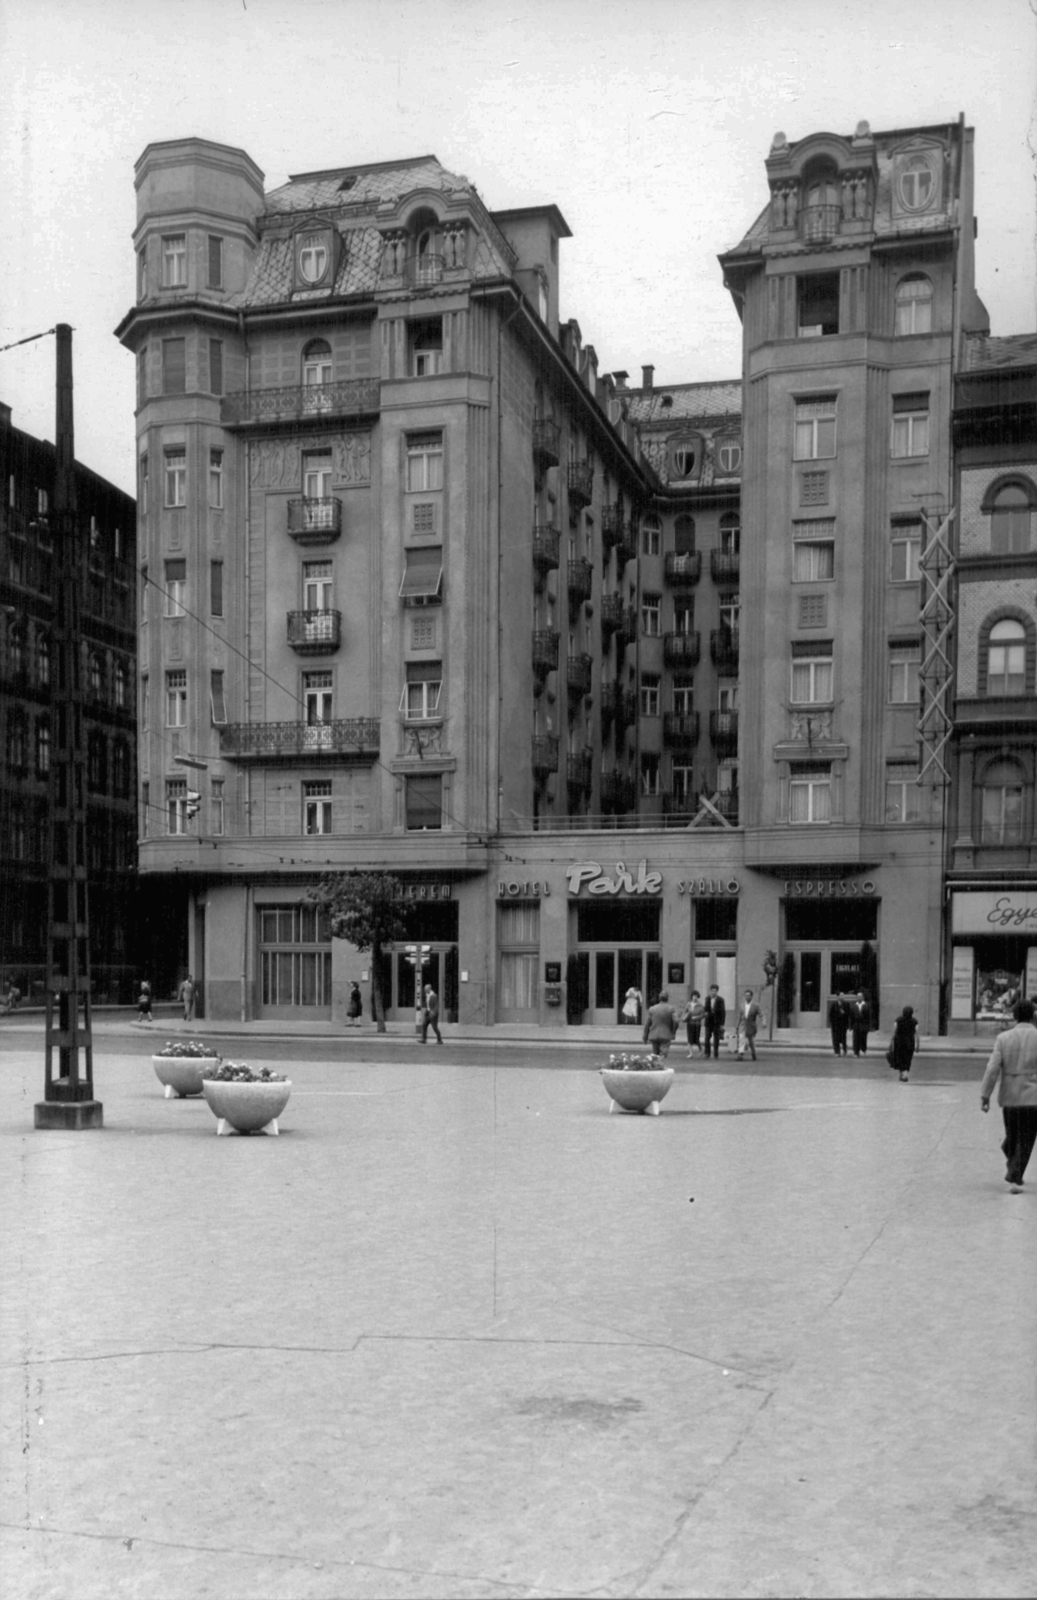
(423, 741)
(277, 463)
(810, 726)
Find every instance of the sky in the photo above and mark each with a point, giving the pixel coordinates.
(647, 122)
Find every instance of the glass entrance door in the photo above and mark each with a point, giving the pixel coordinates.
(809, 984)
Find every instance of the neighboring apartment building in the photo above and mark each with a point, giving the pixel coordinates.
(992, 825)
(106, 521)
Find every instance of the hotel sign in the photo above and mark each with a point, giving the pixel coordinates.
(1011, 911)
(589, 876)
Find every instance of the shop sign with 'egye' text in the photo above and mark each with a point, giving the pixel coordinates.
(589, 877)
(1008, 911)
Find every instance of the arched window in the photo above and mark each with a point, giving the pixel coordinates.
(914, 305)
(916, 184)
(819, 218)
(426, 260)
(730, 533)
(684, 535)
(316, 362)
(1011, 519)
(685, 457)
(1001, 804)
(1006, 658)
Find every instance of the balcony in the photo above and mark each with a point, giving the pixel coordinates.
(581, 485)
(545, 548)
(580, 580)
(628, 709)
(315, 520)
(627, 629)
(546, 442)
(683, 571)
(545, 754)
(260, 408)
(723, 730)
(680, 729)
(545, 651)
(724, 566)
(612, 524)
(681, 649)
(356, 737)
(314, 633)
(819, 222)
(626, 545)
(578, 772)
(578, 675)
(723, 649)
(421, 272)
(611, 703)
(617, 793)
(612, 609)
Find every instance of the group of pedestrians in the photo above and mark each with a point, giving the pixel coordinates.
(849, 1017)
(704, 1020)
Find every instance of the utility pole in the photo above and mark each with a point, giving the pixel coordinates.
(68, 1096)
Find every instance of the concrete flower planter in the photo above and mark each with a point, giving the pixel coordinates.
(637, 1091)
(182, 1075)
(246, 1107)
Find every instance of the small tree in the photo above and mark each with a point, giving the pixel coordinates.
(368, 909)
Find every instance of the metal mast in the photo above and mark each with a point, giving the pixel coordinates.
(936, 676)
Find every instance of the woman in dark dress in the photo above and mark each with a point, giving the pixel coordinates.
(902, 1044)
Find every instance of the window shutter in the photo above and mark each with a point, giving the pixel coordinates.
(217, 699)
(215, 366)
(215, 262)
(174, 366)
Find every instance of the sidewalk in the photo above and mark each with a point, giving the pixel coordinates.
(461, 1333)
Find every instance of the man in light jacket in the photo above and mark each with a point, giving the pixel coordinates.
(1013, 1066)
(748, 1021)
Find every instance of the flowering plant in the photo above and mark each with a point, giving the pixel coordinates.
(189, 1049)
(628, 1063)
(241, 1072)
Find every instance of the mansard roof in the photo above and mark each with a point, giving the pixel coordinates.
(1013, 350)
(687, 403)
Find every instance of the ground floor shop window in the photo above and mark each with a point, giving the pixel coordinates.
(294, 958)
(830, 948)
(990, 974)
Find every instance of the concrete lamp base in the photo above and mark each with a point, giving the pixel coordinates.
(69, 1114)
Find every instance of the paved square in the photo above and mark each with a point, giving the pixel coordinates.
(459, 1332)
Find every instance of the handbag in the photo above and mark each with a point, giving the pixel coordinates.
(889, 1055)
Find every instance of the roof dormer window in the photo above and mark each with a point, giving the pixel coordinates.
(313, 259)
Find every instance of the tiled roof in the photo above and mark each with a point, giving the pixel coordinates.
(271, 278)
(686, 402)
(1014, 350)
(373, 186)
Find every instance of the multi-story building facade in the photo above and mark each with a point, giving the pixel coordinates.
(992, 844)
(106, 523)
(621, 683)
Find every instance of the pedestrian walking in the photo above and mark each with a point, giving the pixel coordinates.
(1013, 1067)
(860, 1024)
(902, 1045)
(354, 1007)
(713, 1020)
(631, 1011)
(661, 1025)
(186, 995)
(430, 1015)
(838, 1022)
(144, 1003)
(693, 1016)
(12, 999)
(748, 1022)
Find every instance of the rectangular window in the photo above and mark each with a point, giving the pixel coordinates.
(316, 475)
(215, 265)
(1002, 814)
(145, 701)
(905, 550)
(424, 801)
(812, 673)
(684, 619)
(810, 794)
(903, 794)
(424, 462)
(815, 429)
(683, 696)
(317, 585)
(181, 806)
(215, 366)
(910, 433)
(422, 691)
(216, 588)
(423, 574)
(317, 696)
(217, 697)
(174, 366)
(817, 297)
(176, 476)
(649, 694)
(217, 817)
(904, 661)
(651, 615)
(426, 347)
(651, 537)
(142, 376)
(142, 273)
(145, 809)
(174, 261)
(176, 588)
(316, 806)
(216, 479)
(176, 699)
(650, 770)
(727, 694)
(813, 550)
(729, 610)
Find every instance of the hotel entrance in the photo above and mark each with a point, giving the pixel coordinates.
(617, 948)
(831, 947)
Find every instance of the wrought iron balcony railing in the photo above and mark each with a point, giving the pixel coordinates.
(723, 647)
(612, 609)
(723, 729)
(681, 571)
(628, 624)
(545, 754)
(819, 222)
(545, 547)
(579, 669)
(611, 701)
(682, 649)
(611, 524)
(316, 520)
(314, 633)
(724, 566)
(424, 270)
(581, 484)
(545, 651)
(546, 441)
(626, 544)
(358, 737)
(580, 579)
(680, 729)
(350, 397)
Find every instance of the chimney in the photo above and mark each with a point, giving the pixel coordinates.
(621, 379)
(647, 378)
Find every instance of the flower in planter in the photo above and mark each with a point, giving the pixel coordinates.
(189, 1050)
(629, 1063)
(241, 1072)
